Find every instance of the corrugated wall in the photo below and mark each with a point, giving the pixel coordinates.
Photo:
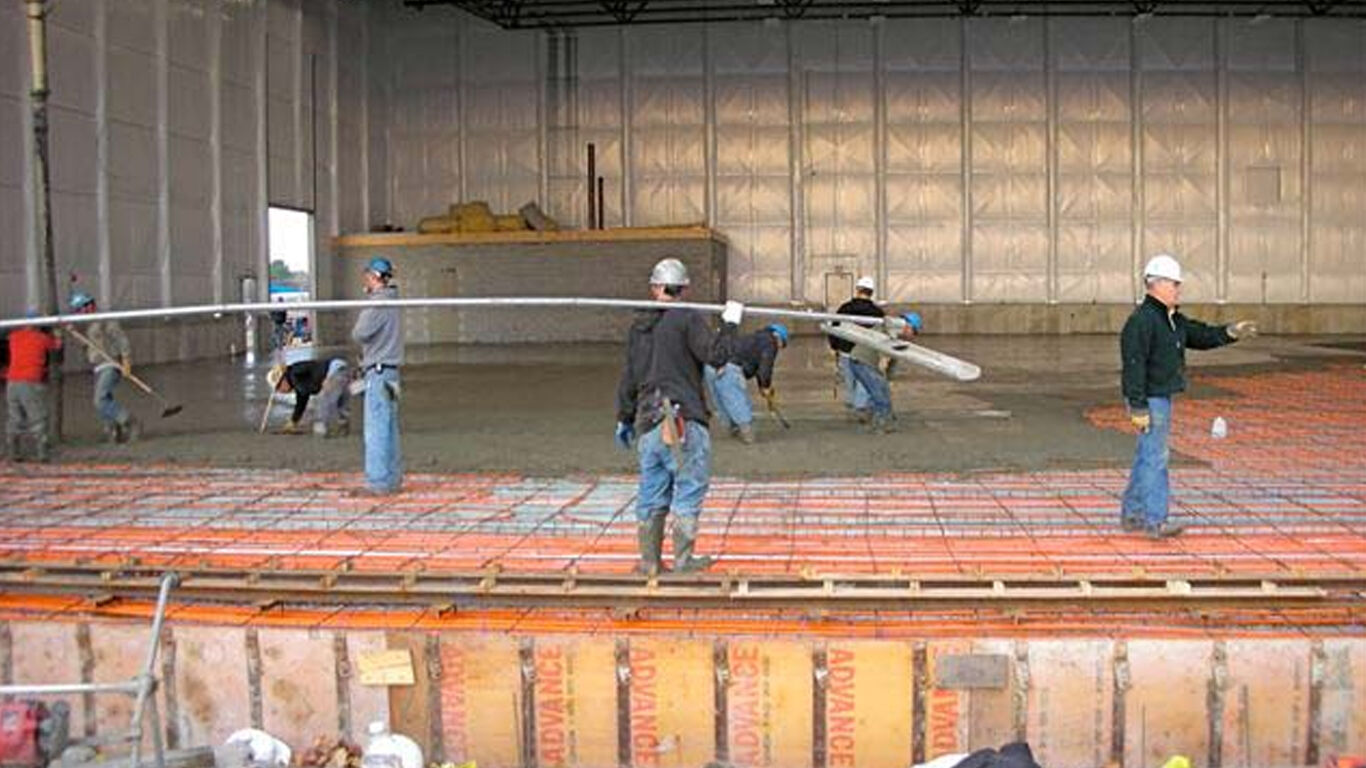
(1017, 160)
(173, 124)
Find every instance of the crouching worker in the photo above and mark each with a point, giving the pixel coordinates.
(660, 398)
(752, 358)
(329, 380)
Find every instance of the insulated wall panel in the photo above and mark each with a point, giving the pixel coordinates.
(753, 157)
(834, 69)
(1336, 60)
(502, 110)
(668, 126)
(924, 190)
(423, 136)
(1009, 140)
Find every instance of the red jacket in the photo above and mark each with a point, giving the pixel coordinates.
(28, 348)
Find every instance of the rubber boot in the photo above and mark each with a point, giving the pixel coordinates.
(43, 451)
(685, 535)
(12, 448)
(746, 434)
(131, 430)
(650, 538)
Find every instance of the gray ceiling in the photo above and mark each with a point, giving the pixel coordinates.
(559, 14)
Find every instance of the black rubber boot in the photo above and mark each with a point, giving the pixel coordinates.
(13, 449)
(685, 536)
(650, 538)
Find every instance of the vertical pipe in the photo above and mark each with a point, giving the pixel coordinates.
(795, 160)
(628, 97)
(1050, 75)
(965, 171)
(1306, 160)
(215, 62)
(1221, 195)
(42, 193)
(161, 34)
(709, 125)
(1137, 190)
(880, 155)
(601, 205)
(592, 187)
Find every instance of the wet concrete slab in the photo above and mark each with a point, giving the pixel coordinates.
(549, 410)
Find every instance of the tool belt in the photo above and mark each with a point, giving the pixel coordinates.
(659, 408)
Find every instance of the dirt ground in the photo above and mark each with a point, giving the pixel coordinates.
(549, 411)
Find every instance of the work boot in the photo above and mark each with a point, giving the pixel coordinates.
(882, 424)
(746, 434)
(650, 538)
(1163, 530)
(112, 433)
(1131, 524)
(685, 536)
(130, 431)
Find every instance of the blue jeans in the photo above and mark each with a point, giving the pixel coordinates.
(727, 390)
(383, 460)
(106, 381)
(879, 394)
(855, 396)
(1145, 498)
(666, 486)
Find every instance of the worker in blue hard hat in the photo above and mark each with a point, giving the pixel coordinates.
(110, 356)
(752, 357)
(379, 331)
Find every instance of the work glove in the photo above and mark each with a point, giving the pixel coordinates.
(733, 313)
(1142, 420)
(1243, 329)
(626, 432)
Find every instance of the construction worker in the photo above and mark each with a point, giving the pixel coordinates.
(752, 358)
(26, 389)
(856, 397)
(110, 355)
(379, 331)
(329, 379)
(660, 398)
(1153, 351)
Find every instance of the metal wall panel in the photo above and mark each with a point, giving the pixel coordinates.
(668, 125)
(423, 87)
(502, 110)
(1336, 63)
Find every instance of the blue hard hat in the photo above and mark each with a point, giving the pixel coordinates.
(779, 330)
(380, 266)
(913, 319)
(81, 300)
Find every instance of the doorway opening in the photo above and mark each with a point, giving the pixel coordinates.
(291, 281)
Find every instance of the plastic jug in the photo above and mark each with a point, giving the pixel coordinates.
(1219, 429)
(390, 750)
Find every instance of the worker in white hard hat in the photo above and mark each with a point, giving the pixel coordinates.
(1153, 350)
(659, 398)
(866, 392)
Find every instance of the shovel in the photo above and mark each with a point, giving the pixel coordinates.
(167, 408)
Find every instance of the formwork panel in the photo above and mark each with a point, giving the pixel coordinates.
(672, 682)
(298, 685)
(367, 702)
(576, 702)
(1070, 690)
(946, 719)
(48, 653)
(480, 700)
(210, 683)
(868, 705)
(1266, 703)
(1343, 729)
(1165, 710)
(118, 652)
(768, 702)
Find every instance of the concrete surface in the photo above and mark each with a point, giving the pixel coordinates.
(548, 410)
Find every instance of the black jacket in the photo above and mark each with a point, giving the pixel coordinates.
(665, 352)
(855, 306)
(306, 377)
(1152, 347)
(755, 354)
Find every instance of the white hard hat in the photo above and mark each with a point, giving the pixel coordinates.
(1163, 265)
(865, 283)
(669, 272)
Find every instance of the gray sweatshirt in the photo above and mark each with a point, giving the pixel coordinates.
(109, 337)
(379, 331)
